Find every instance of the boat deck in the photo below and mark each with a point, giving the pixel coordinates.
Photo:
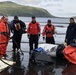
(25, 67)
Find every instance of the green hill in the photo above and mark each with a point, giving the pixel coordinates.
(11, 9)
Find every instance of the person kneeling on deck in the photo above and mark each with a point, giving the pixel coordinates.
(17, 27)
(33, 33)
(49, 31)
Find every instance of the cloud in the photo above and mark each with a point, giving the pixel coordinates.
(27, 2)
(2, 0)
(53, 6)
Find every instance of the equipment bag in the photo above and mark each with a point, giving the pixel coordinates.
(59, 51)
(39, 56)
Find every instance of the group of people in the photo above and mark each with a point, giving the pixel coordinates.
(18, 27)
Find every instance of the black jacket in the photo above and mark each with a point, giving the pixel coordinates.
(71, 31)
(22, 25)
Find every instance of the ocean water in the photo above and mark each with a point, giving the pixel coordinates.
(60, 24)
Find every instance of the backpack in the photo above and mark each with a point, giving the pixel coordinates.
(59, 51)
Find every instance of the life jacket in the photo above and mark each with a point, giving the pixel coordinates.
(33, 28)
(17, 26)
(48, 31)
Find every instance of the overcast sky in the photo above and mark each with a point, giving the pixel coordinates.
(62, 8)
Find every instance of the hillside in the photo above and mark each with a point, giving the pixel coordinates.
(11, 9)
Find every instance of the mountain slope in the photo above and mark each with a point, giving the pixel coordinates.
(11, 9)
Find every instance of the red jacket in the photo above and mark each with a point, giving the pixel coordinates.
(48, 31)
(33, 29)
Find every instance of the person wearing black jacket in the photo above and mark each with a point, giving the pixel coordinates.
(18, 27)
(71, 32)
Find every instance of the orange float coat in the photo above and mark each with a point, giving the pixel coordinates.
(70, 54)
(3, 38)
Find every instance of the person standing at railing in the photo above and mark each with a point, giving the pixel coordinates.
(33, 33)
(48, 32)
(71, 32)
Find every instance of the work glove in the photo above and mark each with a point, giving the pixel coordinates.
(65, 44)
(39, 34)
(43, 38)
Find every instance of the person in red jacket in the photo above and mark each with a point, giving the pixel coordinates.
(33, 33)
(4, 35)
(49, 31)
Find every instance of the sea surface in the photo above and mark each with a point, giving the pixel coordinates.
(60, 25)
(59, 67)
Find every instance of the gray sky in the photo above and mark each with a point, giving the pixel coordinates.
(60, 8)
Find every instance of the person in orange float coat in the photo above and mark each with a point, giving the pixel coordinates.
(33, 33)
(4, 35)
(48, 31)
(70, 53)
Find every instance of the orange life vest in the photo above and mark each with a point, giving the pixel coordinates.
(17, 26)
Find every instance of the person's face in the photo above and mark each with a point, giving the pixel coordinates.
(71, 21)
(6, 19)
(33, 19)
(49, 23)
(16, 19)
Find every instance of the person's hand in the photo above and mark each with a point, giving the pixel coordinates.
(43, 38)
(39, 34)
(65, 44)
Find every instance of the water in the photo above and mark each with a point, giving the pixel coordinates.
(29, 68)
(61, 26)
